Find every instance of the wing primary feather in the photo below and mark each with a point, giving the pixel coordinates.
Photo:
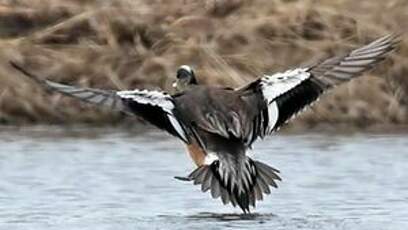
(288, 93)
(155, 107)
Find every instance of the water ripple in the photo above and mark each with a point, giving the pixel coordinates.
(117, 179)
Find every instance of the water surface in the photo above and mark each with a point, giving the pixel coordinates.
(93, 178)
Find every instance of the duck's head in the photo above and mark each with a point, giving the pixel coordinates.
(185, 78)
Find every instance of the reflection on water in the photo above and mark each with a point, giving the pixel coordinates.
(230, 216)
(81, 178)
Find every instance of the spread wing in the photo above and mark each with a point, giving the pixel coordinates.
(288, 93)
(153, 106)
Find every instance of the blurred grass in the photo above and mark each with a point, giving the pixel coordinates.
(127, 44)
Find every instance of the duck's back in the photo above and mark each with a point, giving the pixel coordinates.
(221, 111)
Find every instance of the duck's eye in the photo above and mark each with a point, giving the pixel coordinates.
(182, 73)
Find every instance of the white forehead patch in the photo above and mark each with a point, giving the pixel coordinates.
(187, 68)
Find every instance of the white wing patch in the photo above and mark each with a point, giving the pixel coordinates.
(277, 84)
(177, 126)
(156, 98)
(273, 115)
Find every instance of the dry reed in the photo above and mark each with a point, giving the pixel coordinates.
(139, 44)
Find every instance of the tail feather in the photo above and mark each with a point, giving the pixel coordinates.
(206, 180)
(262, 184)
(258, 192)
(199, 175)
(224, 196)
(215, 188)
(256, 177)
(269, 178)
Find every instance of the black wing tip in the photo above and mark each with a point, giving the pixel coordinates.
(395, 39)
(396, 36)
(391, 40)
(14, 64)
(19, 68)
(25, 72)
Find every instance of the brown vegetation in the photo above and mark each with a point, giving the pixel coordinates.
(126, 44)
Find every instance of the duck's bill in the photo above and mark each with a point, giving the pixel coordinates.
(174, 84)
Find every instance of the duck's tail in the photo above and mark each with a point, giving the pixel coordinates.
(241, 186)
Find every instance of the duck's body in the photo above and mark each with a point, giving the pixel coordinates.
(219, 125)
(222, 128)
(224, 112)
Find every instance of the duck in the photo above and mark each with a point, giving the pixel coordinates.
(219, 125)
